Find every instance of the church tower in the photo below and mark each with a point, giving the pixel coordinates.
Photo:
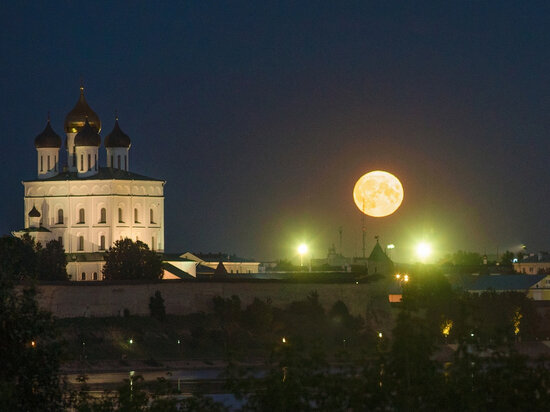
(86, 147)
(47, 146)
(118, 145)
(74, 122)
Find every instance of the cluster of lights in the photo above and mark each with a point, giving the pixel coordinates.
(402, 278)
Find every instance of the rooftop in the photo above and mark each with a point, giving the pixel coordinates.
(104, 173)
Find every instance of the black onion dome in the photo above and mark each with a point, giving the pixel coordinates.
(117, 138)
(48, 138)
(34, 212)
(87, 136)
(76, 118)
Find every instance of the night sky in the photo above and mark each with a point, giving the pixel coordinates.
(262, 115)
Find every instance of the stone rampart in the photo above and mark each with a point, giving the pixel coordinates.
(104, 299)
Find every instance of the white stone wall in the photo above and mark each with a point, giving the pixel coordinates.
(87, 160)
(92, 196)
(116, 155)
(47, 162)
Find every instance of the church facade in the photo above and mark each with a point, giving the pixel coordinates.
(85, 206)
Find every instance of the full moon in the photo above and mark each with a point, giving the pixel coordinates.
(378, 193)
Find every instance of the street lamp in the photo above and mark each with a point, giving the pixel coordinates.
(302, 250)
(423, 250)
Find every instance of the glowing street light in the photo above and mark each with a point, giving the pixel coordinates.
(131, 341)
(283, 340)
(302, 250)
(423, 250)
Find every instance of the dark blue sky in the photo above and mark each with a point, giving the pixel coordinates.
(262, 115)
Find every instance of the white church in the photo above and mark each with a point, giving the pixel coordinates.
(87, 207)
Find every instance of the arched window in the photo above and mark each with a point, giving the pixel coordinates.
(89, 161)
(120, 219)
(103, 215)
(49, 163)
(60, 217)
(151, 216)
(153, 246)
(94, 276)
(136, 216)
(118, 160)
(102, 242)
(81, 216)
(41, 163)
(83, 276)
(81, 162)
(81, 243)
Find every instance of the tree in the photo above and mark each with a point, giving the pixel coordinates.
(156, 306)
(52, 261)
(506, 258)
(29, 376)
(133, 261)
(18, 259)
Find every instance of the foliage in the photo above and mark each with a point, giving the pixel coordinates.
(52, 261)
(156, 306)
(132, 261)
(506, 258)
(29, 377)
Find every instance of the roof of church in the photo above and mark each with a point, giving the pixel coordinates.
(34, 229)
(504, 282)
(81, 112)
(117, 138)
(104, 173)
(378, 254)
(34, 212)
(48, 138)
(87, 136)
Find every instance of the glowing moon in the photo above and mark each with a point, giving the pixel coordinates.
(378, 193)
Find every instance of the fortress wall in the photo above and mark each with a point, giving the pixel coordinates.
(107, 299)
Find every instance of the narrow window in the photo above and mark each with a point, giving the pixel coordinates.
(112, 163)
(136, 216)
(120, 220)
(55, 163)
(49, 166)
(81, 162)
(81, 216)
(94, 276)
(83, 276)
(102, 242)
(41, 163)
(60, 217)
(60, 240)
(153, 246)
(81, 243)
(89, 162)
(151, 216)
(118, 158)
(125, 163)
(95, 163)
(103, 215)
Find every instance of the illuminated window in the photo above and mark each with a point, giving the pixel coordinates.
(60, 217)
(103, 215)
(81, 243)
(81, 216)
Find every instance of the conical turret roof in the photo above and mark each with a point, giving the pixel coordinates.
(117, 138)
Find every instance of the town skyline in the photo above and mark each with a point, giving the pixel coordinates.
(261, 118)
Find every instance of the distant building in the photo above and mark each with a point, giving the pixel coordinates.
(231, 263)
(85, 206)
(533, 264)
(536, 287)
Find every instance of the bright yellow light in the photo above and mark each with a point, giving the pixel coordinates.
(391, 246)
(446, 327)
(516, 320)
(284, 340)
(33, 343)
(423, 250)
(378, 193)
(380, 335)
(302, 249)
(406, 278)
(398, 276)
